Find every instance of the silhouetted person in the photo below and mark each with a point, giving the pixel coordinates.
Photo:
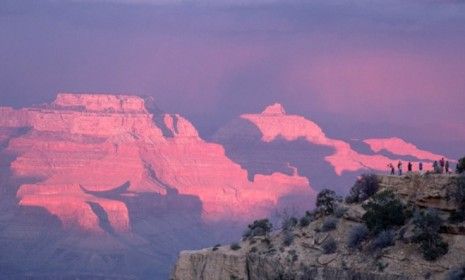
(447, 167)
(442, 163)
(409, 166)
(420, 167)
(399, 167)
(393, 170)
(436, 167)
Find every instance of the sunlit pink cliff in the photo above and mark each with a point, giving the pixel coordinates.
(82, 146)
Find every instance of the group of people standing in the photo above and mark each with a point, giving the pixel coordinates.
(440, 167)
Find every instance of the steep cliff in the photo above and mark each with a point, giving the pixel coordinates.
(85, 143)
(103, 165)
(302, 252)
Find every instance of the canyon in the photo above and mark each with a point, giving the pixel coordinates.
(102, 184)
(103, 165)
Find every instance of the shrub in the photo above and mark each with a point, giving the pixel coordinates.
(456, 274)
(329, 246)
(460, 165)
(216, 247)
(356, 236)
(288, 238)
(384, 212)
(326, 201)
(381, 266)
(366, 186)
(305, 221)
(266, 241)
(258, 228)
(459, 193)
(235, 246)
(384, 239)
(339, 211)
(427, 223)
(288, 223)
(459, 198)
(329, 224)
(457, 216)
(426, 232)
(434, 249)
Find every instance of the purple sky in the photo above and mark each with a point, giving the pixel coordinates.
(360, 69)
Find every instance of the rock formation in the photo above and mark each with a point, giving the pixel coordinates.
(84, 143)
(103, 165)
(269, 257)
(280, 138)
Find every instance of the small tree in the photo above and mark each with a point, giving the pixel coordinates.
(326, 201)
(366, 186)
(384, 212)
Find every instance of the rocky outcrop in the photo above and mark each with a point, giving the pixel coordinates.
(303, 254)
(100, 103)
(428, 190)
(207, 264)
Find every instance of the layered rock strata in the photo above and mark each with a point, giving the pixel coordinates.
(84, 144)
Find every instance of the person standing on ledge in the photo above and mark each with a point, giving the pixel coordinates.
(399, 166)
(420, 167)
(409, 166)
(436, 167)
(447, 166)
(391, 166)
(441, 163)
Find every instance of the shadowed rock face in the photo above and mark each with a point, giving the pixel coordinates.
(125, 189)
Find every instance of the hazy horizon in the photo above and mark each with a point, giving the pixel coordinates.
(380, 68)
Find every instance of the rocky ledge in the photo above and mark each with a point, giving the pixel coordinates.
(337, 244)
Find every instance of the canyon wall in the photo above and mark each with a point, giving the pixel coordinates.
(126, 185)
(102, 169)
